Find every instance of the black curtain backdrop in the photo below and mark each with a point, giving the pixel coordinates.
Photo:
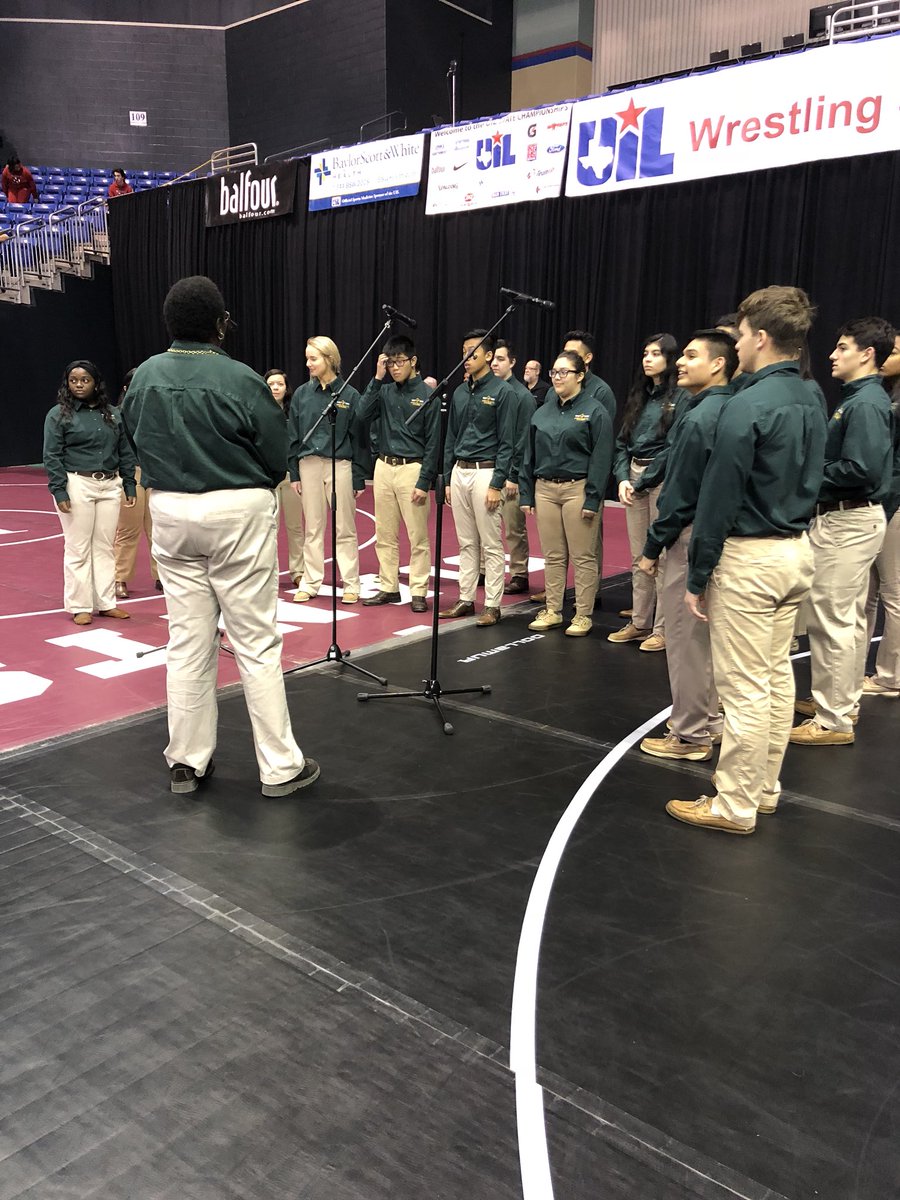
(658, 259)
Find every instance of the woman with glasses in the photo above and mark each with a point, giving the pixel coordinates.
(653, 404)
(288, 501)
(566, 466)
(309, 465)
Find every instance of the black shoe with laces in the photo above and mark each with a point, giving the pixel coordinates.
(308, 775)
(184, 779)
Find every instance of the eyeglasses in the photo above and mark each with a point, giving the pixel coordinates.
(562, 372)
(396, 362)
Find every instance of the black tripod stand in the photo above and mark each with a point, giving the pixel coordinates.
(334, 653)
(431, 689)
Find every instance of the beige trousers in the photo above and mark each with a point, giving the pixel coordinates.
(217, 555)
(566, 536)
(695, 701)
(315, 480)
(884, 581)
(132, 523)
(292, 514)
(752, 602)
(89, 530)
(639, 516)
(845, 544)
(474, 525)
(516, 535)
(393, 487)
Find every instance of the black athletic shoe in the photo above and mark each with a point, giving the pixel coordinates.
(184, 779)
(308, 775)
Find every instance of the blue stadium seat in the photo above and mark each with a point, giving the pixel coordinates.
(43, 208)
(162, 176)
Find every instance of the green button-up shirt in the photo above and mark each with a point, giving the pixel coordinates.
(691, 445)
(765, 469)
(395, 404)
(858, 449)
(307, 404)
(600, 390)
(85, 442)
(648, 438)
(569, 441)
(524, 410)
(481, 426)
(201, 422)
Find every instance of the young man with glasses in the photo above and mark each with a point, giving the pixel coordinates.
(404, 470)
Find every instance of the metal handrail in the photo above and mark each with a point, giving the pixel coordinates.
(396, 112)
(304, 151)
(229, 158)
(863, 19)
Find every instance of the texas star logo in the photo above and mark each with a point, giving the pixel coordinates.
(494, 151)
(627, 143)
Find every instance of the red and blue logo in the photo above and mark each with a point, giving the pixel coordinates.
(494, 151)
(625, 146)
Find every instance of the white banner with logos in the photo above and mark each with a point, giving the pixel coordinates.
(832, 102)
(366, 173)
(502, 160)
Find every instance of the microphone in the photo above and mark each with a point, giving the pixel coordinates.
(523, 299)
(390, 311)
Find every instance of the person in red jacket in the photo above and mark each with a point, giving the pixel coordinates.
(18, 182)
(120, 185)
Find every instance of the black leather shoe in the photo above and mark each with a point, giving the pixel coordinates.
(308, 775)
(419, 604)
(183, 779)
(382, 598)
(462, 608)
(516, 586)
(488, 616)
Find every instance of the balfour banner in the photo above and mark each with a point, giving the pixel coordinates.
(832, 102)
(368, 172)
(251, 193)
(502, 160)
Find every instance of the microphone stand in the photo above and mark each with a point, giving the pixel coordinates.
(335, 654)
(431, 689)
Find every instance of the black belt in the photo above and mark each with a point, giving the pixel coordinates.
(559, 479)
(474, 466)
(394, 460)
(641, 462)
(840, 505)
(97, 474)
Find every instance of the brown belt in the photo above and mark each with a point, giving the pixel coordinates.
(840, 505)
(394, 460)
(474, 466)
(97, 474)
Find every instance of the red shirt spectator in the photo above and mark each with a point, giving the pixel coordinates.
(18, 182)
(120, 185)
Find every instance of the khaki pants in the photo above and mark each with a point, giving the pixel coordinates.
(566, 536)
(217, 555)
(474, 525)
(132, 523)
(695, 701)
(639, 516)
(752, 602)
(845, 543)
(292, 514)
(516, 536)
(393, 488)
(600, 549)
(315, 480)
(89, 564)
(884, 581)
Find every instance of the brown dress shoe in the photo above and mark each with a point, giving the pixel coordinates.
(118, 613)
(382, 598)
(488, 616)
(516, 586)
(121, 589)
(419, 604)
(82, 618)
(462, 608)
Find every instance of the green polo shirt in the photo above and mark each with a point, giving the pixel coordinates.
(600, 390)
(395, 404)
(859, 449)
(765, 469)
(85, 442)
(481, 424)
(647, 438)
(692, 442)
(569, 441)
(307, 404)
(201, 422)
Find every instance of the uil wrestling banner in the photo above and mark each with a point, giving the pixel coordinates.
(502, 160)
(363, 174)
(832, 102)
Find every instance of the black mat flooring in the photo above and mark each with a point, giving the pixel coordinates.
(717, 1016)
